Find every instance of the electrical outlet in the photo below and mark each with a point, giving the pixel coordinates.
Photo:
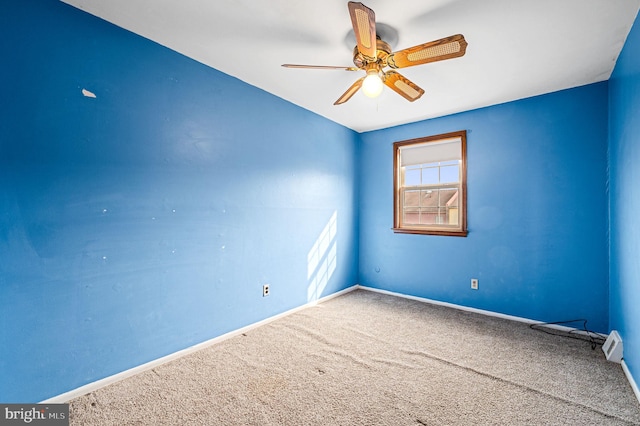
(265, 290)
(474, 283)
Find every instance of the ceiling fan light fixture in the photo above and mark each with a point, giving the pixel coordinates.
(374, 57)
(372, 84)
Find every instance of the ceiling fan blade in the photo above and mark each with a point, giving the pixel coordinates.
(363, 20)
(320, 67)
(350, 92)
(401, 85)
(438, 50)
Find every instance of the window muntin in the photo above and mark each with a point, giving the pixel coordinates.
(430, 185)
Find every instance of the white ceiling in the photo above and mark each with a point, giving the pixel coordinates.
(517, 48)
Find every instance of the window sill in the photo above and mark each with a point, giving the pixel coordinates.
(443, 232)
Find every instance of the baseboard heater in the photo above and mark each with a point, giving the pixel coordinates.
(612, 347)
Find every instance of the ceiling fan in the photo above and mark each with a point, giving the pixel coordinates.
(372, 55)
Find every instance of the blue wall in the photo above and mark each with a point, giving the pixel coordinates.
(624, 140)
(147, 220)
(537, 212)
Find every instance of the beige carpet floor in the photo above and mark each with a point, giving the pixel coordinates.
(370, 359)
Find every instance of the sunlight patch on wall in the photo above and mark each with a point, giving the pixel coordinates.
(322, 259)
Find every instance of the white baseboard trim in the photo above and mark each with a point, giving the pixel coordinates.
(91, 387)
(627, 373)
(475, 310)
(631, 380)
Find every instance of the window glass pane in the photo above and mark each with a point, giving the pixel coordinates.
(428, 216)
(430, 176)
(433, 216)
(448, 197)
(412, 198)
(449, 173)
(439, 207)
(428, 198)
(411, 216)
(412, 176)
(453, 216)
(449, 204)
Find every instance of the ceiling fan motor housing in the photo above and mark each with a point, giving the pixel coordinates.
(383, 50)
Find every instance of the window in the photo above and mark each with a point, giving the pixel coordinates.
(430, 185)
